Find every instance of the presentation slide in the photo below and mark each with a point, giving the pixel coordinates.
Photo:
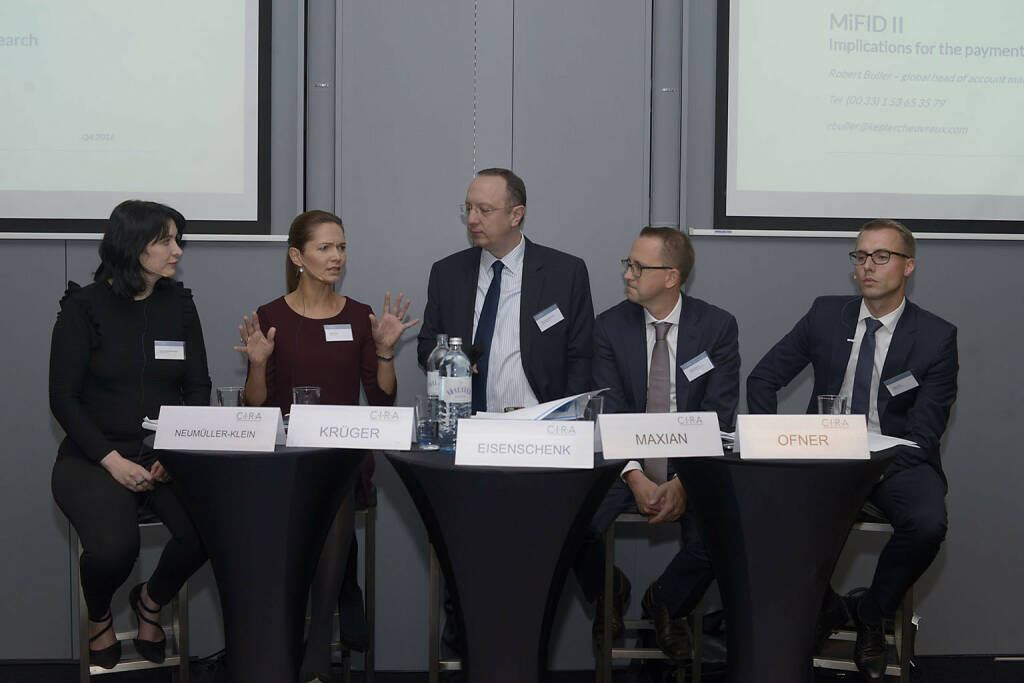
(147, 99)
(863, 108)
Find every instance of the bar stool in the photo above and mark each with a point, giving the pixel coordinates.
(608, 652)
(837, 653)
(177, 634)
(369, 515)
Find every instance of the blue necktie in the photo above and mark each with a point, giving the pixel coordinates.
(861, 400)
(484, 334)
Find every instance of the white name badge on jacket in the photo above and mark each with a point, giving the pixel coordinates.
(335, 333)
(549, 317)
(169, 350)
(900, 383)
(697, 366)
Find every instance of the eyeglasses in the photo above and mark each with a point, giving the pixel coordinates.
(638, 270)
(879, 256)
(484, 211)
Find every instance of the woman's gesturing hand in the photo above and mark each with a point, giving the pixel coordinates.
(256, 345)
(388, 330)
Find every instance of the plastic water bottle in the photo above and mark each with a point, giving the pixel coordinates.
(455, 393)
(433, 384)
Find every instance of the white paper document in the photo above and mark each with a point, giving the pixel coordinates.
(879, 442)
(568, 408)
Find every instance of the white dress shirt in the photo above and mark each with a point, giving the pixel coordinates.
(507, 386)
(670, 339)
(883, 337)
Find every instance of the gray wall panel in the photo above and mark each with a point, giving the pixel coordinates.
(580, 122)
(34, 534)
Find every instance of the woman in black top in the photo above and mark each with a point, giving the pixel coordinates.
(122, 347)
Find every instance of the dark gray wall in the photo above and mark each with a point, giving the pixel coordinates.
(561, 93)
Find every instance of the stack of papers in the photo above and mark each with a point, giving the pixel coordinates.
(568, 408)
(149, 423)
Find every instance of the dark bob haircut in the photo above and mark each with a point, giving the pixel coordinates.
(134, 225)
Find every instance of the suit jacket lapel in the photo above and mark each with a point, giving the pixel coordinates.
(635, 341)
(529, 300)
(842, 343)
(466, 301)
(898, 357)
(687, 347)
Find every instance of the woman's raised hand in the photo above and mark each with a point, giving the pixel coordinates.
(388, 330)
(256, 345)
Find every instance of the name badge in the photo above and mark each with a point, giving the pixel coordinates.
(549, 317)
(525, 443)
(169, 350)
(635, 436)
(334, 333)
(697, 366)
(900, 383)
(205, 428)
(359, 427)
(802, 437)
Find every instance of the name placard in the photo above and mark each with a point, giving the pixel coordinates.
(802, 437)
(525, 443)
(634, 436)
(362, 427)
(207, 428)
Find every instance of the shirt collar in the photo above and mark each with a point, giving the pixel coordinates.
(513, 260)
(888, 320)
(672, 317)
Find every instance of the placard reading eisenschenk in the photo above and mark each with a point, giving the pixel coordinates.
(802, 437)
(634, 436)
(362, 427)
(206, 428)
(525, 443)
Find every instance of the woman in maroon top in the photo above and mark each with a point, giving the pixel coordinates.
(314, 336)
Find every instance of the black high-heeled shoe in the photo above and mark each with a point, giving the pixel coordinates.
(153, 650)
(109, 656)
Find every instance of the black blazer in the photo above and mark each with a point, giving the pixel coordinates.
(557, 361)
(620, 359)
(922, 343)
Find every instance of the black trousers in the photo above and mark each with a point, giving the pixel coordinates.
(105, 516)
(685, 579)
(914, 502)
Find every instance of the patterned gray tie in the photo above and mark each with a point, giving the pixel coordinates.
(658, 396)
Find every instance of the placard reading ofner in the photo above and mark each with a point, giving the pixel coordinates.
(802, 437)
(634, 436)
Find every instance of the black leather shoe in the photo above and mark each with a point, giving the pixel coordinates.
(672, 635)
(621, 589)
(109, 656)
(154, 651)
(869, 652)
(832, 617)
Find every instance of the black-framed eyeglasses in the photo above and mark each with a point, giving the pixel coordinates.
(879, 256)
(638, 270)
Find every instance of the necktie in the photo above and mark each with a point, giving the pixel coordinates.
(657, 395)
(861, 400)
(484, 334)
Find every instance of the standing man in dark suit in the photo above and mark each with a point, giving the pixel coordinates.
(642, 352)
(897, 364)
(526, 307)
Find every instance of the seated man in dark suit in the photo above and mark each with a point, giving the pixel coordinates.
(897, 363)
(526, 307)
(640, 348)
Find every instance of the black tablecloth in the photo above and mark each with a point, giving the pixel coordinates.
(263, 518)
(774, 530)
(505, 539)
